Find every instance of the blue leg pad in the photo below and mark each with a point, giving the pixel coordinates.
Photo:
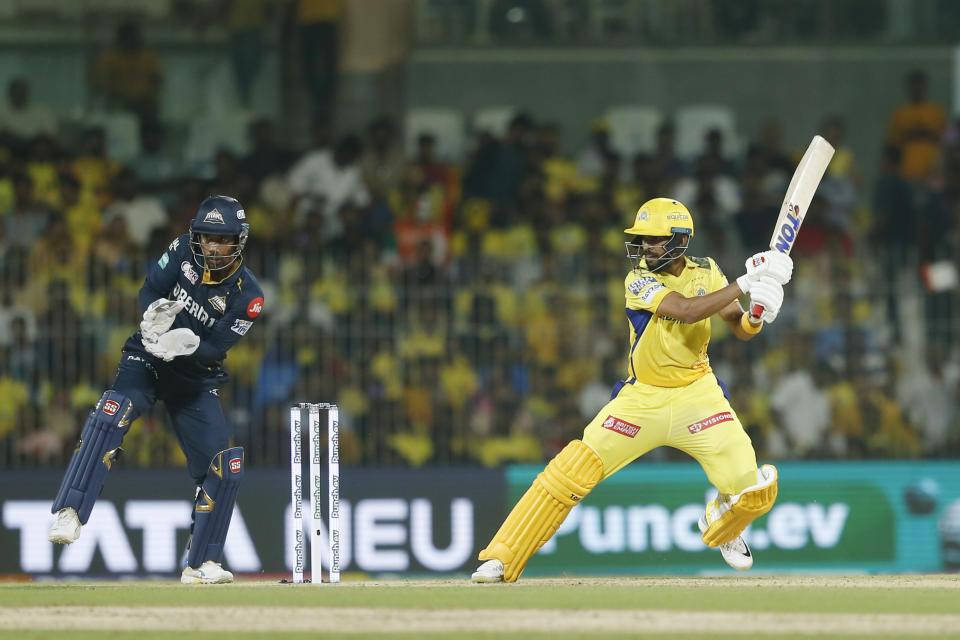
(96, 452)
(214, 507)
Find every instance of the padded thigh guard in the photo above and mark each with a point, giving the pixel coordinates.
(728, 518)
(98, 448)
(566, 480)
(214, 506)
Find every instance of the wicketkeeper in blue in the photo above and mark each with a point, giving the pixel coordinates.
(198, 300)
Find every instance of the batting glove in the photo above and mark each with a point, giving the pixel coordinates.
(778, 266)
(767, 293)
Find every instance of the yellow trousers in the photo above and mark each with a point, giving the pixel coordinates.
(696, 419)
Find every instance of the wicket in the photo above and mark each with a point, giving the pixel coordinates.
(333, 485)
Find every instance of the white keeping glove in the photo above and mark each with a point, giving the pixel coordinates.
(766, 294)
(158, 317)
(778, 266)
(173, 343)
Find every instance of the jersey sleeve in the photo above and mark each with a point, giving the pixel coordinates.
(239, 316)
(644, 292)
(162, 274)
(719, 278)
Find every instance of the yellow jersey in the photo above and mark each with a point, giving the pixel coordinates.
(665, 352)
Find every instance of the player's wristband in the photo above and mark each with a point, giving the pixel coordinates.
(749, 327)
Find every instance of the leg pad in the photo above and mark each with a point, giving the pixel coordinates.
(729, 516)
(214, 507)
(566, 480)
(95, 454)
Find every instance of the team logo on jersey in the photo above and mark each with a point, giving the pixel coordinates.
(706, 423)
(240, 327)
(189, 271)
(241, 215)
(235, 465)
(618, 425)
(110, 407)
(255, 307)
(164, 260)
(219, 303)
(173, 245)
(701, 291)
(214, 216)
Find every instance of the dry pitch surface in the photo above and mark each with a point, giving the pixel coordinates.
(747, 607)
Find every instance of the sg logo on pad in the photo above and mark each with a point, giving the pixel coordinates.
(235, 465)
(110, 407)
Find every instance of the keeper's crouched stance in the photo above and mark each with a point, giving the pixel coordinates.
(198, 300)
(669, 398)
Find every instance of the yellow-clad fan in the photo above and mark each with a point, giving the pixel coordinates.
(670, 396)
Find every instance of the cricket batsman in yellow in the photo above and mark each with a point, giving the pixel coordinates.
(670, 396)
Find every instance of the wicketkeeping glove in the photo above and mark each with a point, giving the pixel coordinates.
(158, 317)
(173, 343)
(767, 293)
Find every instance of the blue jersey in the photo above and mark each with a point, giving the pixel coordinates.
(219, 312)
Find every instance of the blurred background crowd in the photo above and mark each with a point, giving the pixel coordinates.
(455, 281)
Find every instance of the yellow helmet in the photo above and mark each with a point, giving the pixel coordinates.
(662, 217)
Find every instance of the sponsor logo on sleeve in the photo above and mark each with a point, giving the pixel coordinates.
(164, 260)
(621, 427)
(637, 285)
(189, 271)
(255, 307)
(706, 423)
(235, 465)
(174, 244)
(110, 407)
(650, 292)
(240, 327)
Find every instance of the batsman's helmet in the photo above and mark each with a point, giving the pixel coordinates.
(661, 217)
(221, 216)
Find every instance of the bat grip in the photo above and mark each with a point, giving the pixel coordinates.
(756, 310)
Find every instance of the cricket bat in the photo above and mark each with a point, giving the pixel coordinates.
(797, 200)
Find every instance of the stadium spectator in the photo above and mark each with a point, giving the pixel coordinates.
(128, 75)
(916, 128)
(266, 157)
(383, 161)
(22, 120)
(141, 213)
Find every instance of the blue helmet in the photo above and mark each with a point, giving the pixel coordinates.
(221, 216)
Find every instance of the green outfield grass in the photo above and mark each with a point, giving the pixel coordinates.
(780, 607)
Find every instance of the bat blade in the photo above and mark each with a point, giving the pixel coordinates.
(799, 194)
(797, 199)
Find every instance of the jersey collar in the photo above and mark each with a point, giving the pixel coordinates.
(233, 275)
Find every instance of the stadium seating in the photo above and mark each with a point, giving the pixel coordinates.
(447, 125)
(633, 128)
(693, 122)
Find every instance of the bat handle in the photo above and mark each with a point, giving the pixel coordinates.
(756, 310)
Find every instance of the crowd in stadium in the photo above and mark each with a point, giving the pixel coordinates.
(473, 312)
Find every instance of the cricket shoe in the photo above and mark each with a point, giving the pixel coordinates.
(210, 572)
(66, 528)
(736, 552)
(489, 571)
